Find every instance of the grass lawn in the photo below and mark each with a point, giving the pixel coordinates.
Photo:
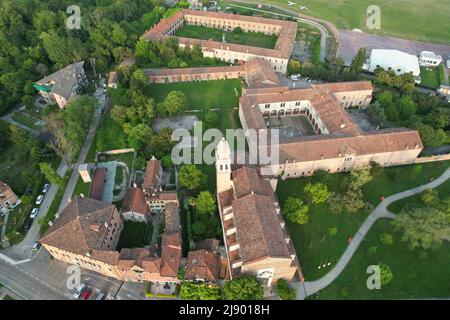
(201, 95)
(430, 77)
(81, 187)
(254, 39)
(135, 235)
(430, 22)
(26, 120)
(109, 136)
(314, 243)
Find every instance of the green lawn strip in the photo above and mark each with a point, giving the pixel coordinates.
(401, 178)
(417, 274)
(81, 187)
(109, 136)
(53, 210)
(201, 95)
(134, 235)
(430, 21)
(26, 120)
(313, 243)
(254, 39)
(397, 206)
(430, 77)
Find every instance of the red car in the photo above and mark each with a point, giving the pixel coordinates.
(86, 294)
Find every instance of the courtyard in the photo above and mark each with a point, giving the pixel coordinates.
(254, 39)
(135, 235)
(291, 126)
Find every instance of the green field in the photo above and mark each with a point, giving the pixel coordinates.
(313, 242)
(430, 77)
(254, 39)
(425, 20)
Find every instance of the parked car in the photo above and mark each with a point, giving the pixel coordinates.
(86, 294)
(79, 291)
(45, 188)
(100, 296)
(34, 213)
(27, 225)
(36, 245)
(39, 199)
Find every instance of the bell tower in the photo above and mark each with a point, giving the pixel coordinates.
(223, 166)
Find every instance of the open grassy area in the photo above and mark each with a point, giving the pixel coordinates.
(135, 235)
(314, 243)
(417, 274)
(425, 20)
(430, 77)
(81, 187)
(109, 136)
(254, 39)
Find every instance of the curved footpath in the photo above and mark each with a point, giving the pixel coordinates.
(310, 287)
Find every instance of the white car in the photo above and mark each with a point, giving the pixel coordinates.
(45, 188)
(79, 291)
(39, 199)
(34, 213)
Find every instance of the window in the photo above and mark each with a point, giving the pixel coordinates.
(283, 104)
(267, 106)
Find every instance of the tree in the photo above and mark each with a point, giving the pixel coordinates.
(166, 162)
(423, 227)
(358, 61)
(50, 174)
(430, 197)
(175, 103)
(407, 107)
(211, 119)
(4, 133)
(119, 114)
(139, 136)
(360, 177)
(431, 137)
(190, 177)
(385, 273)
(243, 288)
(353, 200)
(386, 239)
(335, 203)
(199, 291)
(295, 211)
(317, 193)
(205, 203)
(284, 291)
(294, 67)
(162, 142)
(18, 136)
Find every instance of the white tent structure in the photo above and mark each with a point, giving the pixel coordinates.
(395, 60)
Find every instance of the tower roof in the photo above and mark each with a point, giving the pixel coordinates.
(223, 150)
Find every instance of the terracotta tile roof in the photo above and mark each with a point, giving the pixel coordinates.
(330, 147)
(196, 70)
(208, 244)
(344, 137)
(172, 218)
(202, 265)
(81, 226)
(4, 187)
(112, 79)
(283, 45)
(152, 172)
(246, 180)
(260, 73)
(106, 256)
(258, 228)
(170, 254)
(98, 184)
(168, 196)
(134, 201)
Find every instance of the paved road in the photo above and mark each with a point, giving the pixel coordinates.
(293, 14)
(310, 287)
(84, 149)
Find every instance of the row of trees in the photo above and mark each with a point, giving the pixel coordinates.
(429, 115)
(426, 224)
(243, 288)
